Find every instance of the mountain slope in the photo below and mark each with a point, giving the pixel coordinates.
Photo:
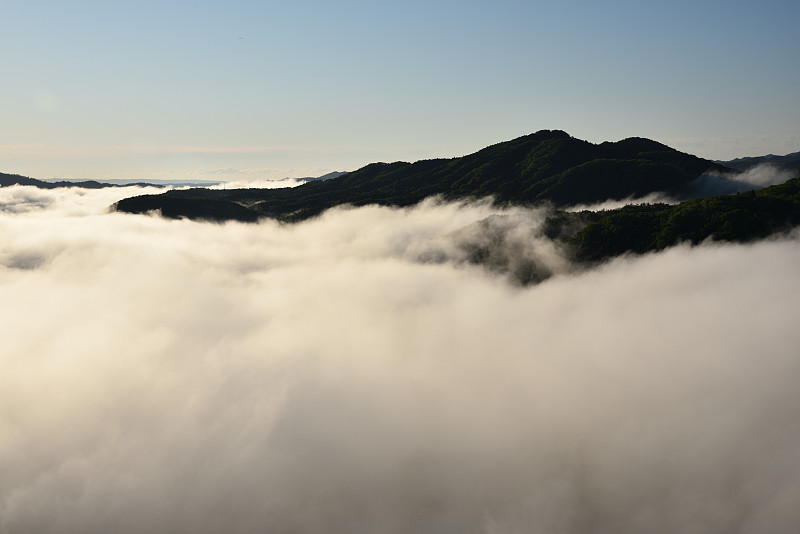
(7, 180)
(789, 161)
(547, 166)
(645, 228)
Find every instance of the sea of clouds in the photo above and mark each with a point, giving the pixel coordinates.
(359, 372)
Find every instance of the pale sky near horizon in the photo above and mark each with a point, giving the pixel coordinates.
(242, 90)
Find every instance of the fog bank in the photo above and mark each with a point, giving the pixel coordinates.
(756, 177)
(358, 373)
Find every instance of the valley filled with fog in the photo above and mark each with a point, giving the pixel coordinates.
(358, 373)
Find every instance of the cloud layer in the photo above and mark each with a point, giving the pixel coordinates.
(755, 177)
(357, 373)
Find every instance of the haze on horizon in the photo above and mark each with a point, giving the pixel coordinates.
(245, 90)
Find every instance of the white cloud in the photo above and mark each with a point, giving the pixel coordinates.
(355, 374)
(756, 177)
(765, 175)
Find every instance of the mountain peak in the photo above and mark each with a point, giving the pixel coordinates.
(546, 166)
(633, 146)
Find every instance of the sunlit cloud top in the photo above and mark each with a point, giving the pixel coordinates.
(352, 373)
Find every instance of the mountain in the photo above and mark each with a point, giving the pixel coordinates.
(546, 166)
(789, 161)
(743, 217)
(7, 180)
(334, 174)
(16, 179)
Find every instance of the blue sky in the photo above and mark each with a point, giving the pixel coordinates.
(243, 90)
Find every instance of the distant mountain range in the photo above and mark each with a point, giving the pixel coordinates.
(789, 161)
(7, 180)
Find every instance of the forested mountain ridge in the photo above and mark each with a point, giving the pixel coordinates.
(7, 180)
(546, 166)
(643, 228)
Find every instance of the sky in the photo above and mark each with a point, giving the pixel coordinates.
(244, 91)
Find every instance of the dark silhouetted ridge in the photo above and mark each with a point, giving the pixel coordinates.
(789, 161)
(7, 180)
(547, 166)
